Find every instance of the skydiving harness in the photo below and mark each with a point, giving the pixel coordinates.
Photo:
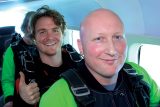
(26, 57)
(24, 54)
(74, 55)
(83, 95)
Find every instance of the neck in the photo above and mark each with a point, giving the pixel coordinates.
(107, 80)
(104, 80)
(52, 60)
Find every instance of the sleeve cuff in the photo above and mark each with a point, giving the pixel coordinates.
(8, 99)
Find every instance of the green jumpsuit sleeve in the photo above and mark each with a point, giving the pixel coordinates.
(155, 89)
(8, 72)
(58, 95)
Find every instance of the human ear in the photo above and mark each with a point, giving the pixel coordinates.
(80, 46)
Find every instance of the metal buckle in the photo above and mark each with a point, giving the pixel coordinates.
(130, 71)
(71, 51)
(26, 61)
(80, 91)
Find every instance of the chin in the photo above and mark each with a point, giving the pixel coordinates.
(51, 53)
(115, 73)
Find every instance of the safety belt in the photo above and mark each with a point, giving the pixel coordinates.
(78, 88)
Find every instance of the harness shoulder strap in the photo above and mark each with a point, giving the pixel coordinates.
(79, 89)
(16, 37)
(139, 88)
(24, 59)
(74, 55)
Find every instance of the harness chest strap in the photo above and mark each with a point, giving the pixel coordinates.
(78, 88)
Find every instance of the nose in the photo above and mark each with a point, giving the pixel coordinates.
(110, 48)
(50, 34)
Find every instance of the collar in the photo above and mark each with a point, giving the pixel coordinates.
(88, 79)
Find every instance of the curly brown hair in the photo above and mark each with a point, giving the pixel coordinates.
(45, 11)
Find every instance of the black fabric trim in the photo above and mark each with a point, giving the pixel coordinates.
(139, 54)
(8, 99)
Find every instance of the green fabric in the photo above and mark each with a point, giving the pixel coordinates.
(62, 96)
(155, 90)
(8, 72)
(59, 94)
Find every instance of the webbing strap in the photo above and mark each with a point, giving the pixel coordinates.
(129, 69)
(78, 88)
(74, 55)
(140, 92)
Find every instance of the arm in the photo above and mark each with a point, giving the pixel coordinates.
(58, 96)
(155, 90)
(8, 72)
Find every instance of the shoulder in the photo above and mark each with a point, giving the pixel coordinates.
(154, 88)
(59, 84)
(8, 56)
(72, 53)
(16, 37)
(140, 70)
(8, 52)
(59, 95)
(56, 87)
(8, 49)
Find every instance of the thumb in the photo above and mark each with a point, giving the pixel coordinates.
(22, 79)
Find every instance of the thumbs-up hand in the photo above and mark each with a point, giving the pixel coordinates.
(8, 104)
(28, 92)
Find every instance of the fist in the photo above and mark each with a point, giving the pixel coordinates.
(28, 92)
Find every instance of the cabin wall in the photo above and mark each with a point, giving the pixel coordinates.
(135, 41)
(131, 38)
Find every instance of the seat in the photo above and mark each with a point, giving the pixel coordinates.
(5, 39)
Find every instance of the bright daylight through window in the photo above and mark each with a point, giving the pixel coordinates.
(74, 35)
(12, 17)
(149, 59)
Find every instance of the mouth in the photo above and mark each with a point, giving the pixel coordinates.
(109, 61)
(50, 44)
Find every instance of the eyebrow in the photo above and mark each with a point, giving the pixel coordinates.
(47, 29)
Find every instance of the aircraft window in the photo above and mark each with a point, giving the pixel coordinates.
(149, 57)
(73, 35)
(12, 17)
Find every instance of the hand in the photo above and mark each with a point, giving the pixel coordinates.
(29, 93)
(8, 104)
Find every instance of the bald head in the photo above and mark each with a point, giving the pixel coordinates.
(103, 45)
(98, 19)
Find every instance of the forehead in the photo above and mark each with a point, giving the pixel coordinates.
(45, 22)
(45, 19)
(102, 23)
(103, 17)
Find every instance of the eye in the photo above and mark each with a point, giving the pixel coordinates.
(118, 37)
(56, 30)
(42, 32)
(98, 38)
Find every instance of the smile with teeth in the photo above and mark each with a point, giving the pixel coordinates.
(49, 44)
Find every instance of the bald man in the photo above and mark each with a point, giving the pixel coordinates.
(103, 79)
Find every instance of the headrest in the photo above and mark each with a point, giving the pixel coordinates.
(7, 30)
